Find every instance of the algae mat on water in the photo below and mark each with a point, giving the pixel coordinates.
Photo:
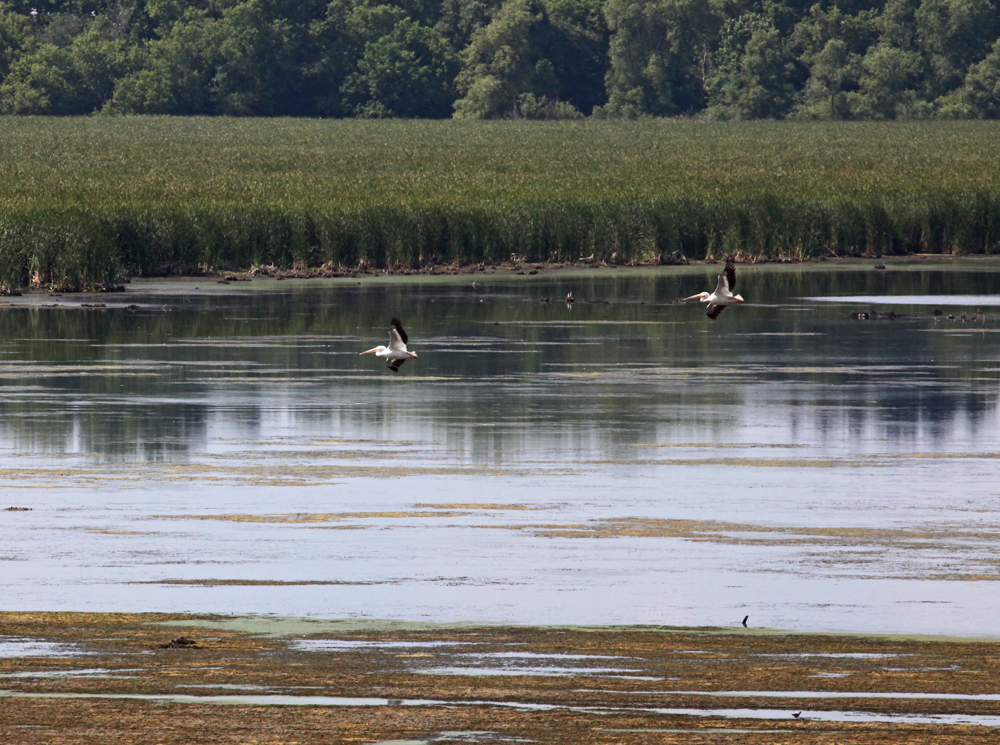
(84, 678)
(82, 201)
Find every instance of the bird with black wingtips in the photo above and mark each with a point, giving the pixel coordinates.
(723, 295)
(395, 354)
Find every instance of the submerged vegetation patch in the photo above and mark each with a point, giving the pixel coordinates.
(364, 681)
(86, 202)
(462, 506)
(301, 518)
(935, 554)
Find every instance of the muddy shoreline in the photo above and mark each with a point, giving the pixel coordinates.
(82, 678)
(512, 268)
(519, 268)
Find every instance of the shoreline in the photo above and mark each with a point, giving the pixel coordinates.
(583, 267)
(445, 272)
(84, 677)
(279, 626)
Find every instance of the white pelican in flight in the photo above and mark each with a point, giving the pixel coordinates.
(723, 295)
(395, 354)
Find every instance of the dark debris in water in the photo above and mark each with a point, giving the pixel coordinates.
(875, 316)
(181, 642)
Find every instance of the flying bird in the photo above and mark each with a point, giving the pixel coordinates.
(723, 295)
(395, 354)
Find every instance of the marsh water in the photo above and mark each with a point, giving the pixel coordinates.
(623, 459)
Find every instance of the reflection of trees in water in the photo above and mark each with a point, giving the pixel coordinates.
(937, 414)
(875, 417)
(507, 375)
(104, 432)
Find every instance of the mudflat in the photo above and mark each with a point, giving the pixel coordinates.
(160, 678)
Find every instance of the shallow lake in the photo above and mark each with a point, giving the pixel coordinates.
(624, 459)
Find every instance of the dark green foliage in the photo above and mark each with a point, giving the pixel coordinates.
(952, 35)
(15, 39)
(243, 60)
(177, 73)
(404, 70)
(754, 71)
(76, 79)
(575, 41)
(739, 59)
(659, 55)
(522, 58)
(979, 96)
(458, 19)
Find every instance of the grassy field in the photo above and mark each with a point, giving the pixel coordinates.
(84, 202)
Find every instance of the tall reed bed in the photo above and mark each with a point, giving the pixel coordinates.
(85, 201)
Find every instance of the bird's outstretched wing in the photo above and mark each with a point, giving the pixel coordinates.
(714, 310)
(730, 273)
(396, 325)
(394, 365)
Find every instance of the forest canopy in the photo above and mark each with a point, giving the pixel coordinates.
(495, 59)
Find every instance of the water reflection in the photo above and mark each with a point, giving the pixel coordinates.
(622, 460)
(500, 372)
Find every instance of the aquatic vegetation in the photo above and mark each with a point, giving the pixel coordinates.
(301, 518)
(83, 202)
(367, 680)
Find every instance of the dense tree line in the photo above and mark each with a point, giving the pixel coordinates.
(746, 59)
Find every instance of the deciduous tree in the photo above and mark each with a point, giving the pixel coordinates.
(499, 65)
(658, 55)
(407, 72)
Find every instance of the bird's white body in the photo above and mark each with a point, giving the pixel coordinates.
(395, 354)
(723, 295)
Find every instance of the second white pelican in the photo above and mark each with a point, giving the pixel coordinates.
(723, 295)
(395, 354)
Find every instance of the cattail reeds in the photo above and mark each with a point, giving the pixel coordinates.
(83, 202)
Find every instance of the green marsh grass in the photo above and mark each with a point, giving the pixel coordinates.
(85, 201)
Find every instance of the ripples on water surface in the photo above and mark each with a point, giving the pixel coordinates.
(624, 460)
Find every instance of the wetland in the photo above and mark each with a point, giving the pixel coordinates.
(85, 201)
(567, 507)
(312, 681)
